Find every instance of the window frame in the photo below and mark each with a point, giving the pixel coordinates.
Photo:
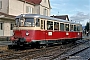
(31, 23)
(65, 26)
(52, 25)
(29, 9)
(0, 4)
(76, 27)
(72, 28)
(60, 26)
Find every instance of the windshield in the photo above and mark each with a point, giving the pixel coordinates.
(21, 22)
(29, 22)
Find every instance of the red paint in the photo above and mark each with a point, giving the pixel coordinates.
(34, 1)
(12, 38)
(43, 35)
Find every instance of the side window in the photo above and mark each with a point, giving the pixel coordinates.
(56, 26)
(41, 24)
(44, 24)
(75, 28)
(49, 25)
(66, 27)
(78, 28)
(62, 26)
(37, 22)
(71, 28)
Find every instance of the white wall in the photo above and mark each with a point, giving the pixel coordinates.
(17, 7)
(44, 5)
(4, 6)
(6, 30)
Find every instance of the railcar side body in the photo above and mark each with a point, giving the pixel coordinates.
(32, 28)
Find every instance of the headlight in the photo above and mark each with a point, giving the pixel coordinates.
(27, 33)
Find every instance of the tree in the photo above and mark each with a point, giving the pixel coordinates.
(87, 26)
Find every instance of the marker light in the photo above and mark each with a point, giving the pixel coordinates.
(27, 33)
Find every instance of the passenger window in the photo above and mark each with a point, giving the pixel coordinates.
(49, 25)
(78, 28)
(75, 28)
(41, 24)
(62, 26)
(66, 27)
(56, 26)
(71, 28)
(44, 24)
(37, 22)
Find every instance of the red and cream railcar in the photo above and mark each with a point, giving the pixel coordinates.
(34, 28)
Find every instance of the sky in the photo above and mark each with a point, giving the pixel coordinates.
(77, 10)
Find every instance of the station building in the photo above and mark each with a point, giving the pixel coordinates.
(11, 8)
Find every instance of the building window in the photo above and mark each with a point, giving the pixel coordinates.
(1, 26)
(0, 4)
(28, 9)
(44, 11)
(12, 25)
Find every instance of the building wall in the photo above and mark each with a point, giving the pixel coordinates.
(6, 31)
(45, 5)
(17, 7)
(36, 10)
(1, 31)
(4, 8)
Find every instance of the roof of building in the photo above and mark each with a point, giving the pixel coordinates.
(34, 1)
(61, 17)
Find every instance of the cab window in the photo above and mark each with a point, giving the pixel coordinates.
(37, 22)
(29, 22)
(17, 21)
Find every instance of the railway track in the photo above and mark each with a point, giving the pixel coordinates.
(48, 53)
(61, 52)
(16, 54)
(72, 52)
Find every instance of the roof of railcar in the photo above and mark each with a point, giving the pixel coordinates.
(44, 17)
